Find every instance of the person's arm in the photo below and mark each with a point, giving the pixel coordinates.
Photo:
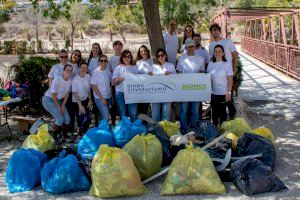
(117, 79)
(96, 90)
(55, 100)
(80, 106)
(229, 87)
(64, 102)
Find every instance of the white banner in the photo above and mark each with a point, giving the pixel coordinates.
(140, 88)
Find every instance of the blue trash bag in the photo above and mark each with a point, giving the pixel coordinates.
(93, 139)
(24, 170)
(63, 174)
(124, 131)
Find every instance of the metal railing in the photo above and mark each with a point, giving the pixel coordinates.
(285, 58)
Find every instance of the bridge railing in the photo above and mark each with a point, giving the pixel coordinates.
(285, 58)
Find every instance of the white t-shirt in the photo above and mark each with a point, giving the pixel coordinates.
(219, 72)
(81, 86)
(60, 87)
(120, 71)
(113, 62)
(228, 46)
(144, 65)
(191, 64)
(93, 64)
(56, 71)
(102, 79)
(172, 46)
(200, 52)
(157, 69)
(75, 69)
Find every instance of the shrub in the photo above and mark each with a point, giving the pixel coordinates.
(31, 48)
(8, 47)
(35, 70)
(21, 47)
(238, 76)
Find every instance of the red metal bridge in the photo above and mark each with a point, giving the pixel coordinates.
(271, 35)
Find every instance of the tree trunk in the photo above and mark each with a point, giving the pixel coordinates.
(153, 25)
(37, 38)
(110, 35)
(72, 37)
(81, 34)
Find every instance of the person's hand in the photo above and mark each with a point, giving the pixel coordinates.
(167, 73)
(104, 102)
(150, 73)
(121, 79)
(228, 96)
(90, 105)
(81, 110)
(61, 110)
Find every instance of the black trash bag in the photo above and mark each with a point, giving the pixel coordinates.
(165, 142)
(86, 167)
(251, 176)
(219, 149)
(204, 130)
(250, 144)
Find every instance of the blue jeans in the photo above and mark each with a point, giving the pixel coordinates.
(193, 107)
(104, 110)
(126, 109)
(60, 119)
(165, 113)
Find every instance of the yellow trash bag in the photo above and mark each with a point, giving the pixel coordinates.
(238, 126)
(42, 141)
(233, 138)
(265, 132)
(114, 174)
(146, 153)
(170, 128)
(192, 172)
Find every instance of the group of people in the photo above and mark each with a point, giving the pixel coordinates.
(79, 89)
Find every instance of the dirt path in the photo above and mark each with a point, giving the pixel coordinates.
(286, 131)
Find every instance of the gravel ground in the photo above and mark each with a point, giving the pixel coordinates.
(285, 129)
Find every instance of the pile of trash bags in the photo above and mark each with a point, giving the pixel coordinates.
(117, 161)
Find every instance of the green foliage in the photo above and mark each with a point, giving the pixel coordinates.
(34, 70)
(4, 17)
(96, 12)
(194, 12)
(238, 76)
(31, 47)
(8, 47)
(21, 47)
(67, 43)
(9, 5)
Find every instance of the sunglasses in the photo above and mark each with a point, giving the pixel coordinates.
(78, 55)
(160, 55)
(102, 60)
(127, 56)
(63, 56)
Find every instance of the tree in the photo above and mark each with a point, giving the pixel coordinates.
(77, 16)
(35, 18)
(154, 30)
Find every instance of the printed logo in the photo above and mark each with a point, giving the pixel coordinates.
(152, 88)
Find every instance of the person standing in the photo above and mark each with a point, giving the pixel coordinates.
(93, 62)
(101, 84)
(161, 111)
(190, 63)
(199, 50)
(113, 62)
(81, 99)
(221, 78)
(75, 62)
(144, 63)
(126, 67)
(231, 56)
(58, 69)
(187, 34)
(55, 99)
(171, 42)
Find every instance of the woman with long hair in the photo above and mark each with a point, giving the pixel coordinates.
(221, 78)
(187, 34)
(126, 66)
(75, 62)
(162, 111)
